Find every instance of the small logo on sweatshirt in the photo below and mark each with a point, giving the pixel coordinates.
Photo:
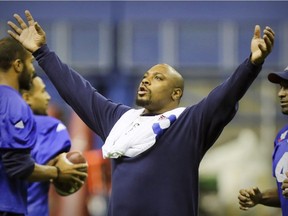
(19, 124)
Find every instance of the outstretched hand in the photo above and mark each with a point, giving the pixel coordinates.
(248, 198)
(261, 47)
(31, 36)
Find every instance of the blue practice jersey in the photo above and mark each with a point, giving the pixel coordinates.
(17, 131)
(280, 164)
(53, 139)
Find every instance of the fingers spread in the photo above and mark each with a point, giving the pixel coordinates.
(81, 166)
(20, 21)
(15, 36)
(78, 180)
(15, 27)
(29, 18)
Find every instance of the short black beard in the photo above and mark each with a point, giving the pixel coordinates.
(24, 79)
(142, 103)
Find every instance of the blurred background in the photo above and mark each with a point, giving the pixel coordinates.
(112, 43)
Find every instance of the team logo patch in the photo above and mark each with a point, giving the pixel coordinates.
(283, 136)
(60, 127)
(163, 124)
(19, 125)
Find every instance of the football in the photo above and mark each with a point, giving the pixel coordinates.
(65, 189)
(75, 157)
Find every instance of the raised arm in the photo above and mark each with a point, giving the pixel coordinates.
(234, 88)
(221, 105)
(95, 110)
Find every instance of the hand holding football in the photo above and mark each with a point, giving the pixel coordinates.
(67, 188)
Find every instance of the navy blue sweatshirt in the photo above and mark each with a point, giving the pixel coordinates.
(162, 181)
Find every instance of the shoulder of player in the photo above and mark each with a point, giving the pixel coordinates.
(47, 123)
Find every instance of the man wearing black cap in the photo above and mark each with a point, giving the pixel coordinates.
(276, 197)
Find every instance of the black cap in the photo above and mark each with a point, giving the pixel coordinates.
(278, 76)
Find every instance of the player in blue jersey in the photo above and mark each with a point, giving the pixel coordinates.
(52, 140)
(18, 133)
(156, 150)
(278, 196)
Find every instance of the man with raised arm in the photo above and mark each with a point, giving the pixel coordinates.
(156, 150)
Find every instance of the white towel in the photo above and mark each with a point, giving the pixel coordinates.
(133, 134)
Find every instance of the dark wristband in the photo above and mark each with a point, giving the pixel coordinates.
(58, 172)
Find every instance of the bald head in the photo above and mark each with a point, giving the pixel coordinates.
(177, 78)
(174, 77)
(161, 89)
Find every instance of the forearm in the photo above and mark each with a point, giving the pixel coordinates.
(234, 88)
(270, 198)
(65, 79)
(224, 98)
(19, 164)
(221, 104)
(43, 173)
(78, 92)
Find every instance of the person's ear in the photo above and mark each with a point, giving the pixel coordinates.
(18, 65)
(26, 96)
(177, 94)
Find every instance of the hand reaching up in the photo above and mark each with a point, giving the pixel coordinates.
(261, 47)
(31, 36)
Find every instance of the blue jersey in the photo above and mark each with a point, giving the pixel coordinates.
(163, 180)
(53, 139)
(17, 131)
(280, 164)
